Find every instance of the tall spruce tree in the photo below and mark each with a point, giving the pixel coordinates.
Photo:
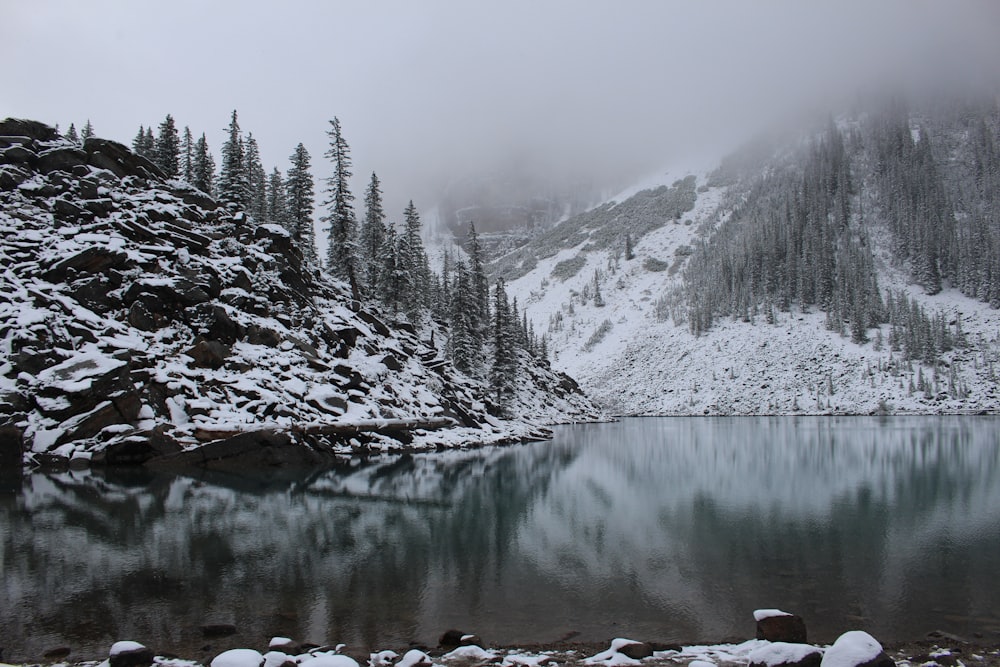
(256, 182)
(233, 182)
(187, 155)
(203, 170)
(299, 191)
(72, 135)
(373, 231)
(87, 132)
(166, 150)
(277, 201)
(478, 285)
(503, 371)
(341, 255)
(144, 144)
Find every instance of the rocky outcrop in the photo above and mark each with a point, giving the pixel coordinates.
(147, 322)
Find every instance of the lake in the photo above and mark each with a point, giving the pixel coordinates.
(666, 529)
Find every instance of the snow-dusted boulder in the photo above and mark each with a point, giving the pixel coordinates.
(454, 638)
(415, 658)
(622, 652)
(129, 654)
(329, 660)
(784, 654)
(775, 625)
(276, 658)
(383, 659)
(856, 649)
(283, 644)
(238, 657)
(469, 653)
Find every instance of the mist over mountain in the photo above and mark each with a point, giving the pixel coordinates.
(850, 270)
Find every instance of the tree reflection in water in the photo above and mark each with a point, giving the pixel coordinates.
(669, 529)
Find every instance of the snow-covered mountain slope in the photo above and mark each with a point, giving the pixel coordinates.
(141, 320)
(633, 352)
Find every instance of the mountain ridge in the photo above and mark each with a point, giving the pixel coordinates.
(144, 321)
(623, 326)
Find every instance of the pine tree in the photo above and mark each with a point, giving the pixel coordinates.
(256, 182)
(478, 285)
(166, 149)
(373, 231)
(299, 191)
(233, 181)
(414, 264)
(629, 251)
(203, 170)
(72, 135)
(341, 256)
(87, 132)
(277, 202)
(387, 284)
(503, 372)
(187, 156)
(143, 144)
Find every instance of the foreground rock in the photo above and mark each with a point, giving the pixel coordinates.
(775, 625)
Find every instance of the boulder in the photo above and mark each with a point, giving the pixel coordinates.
(60, 159)
(129, 654)
(209, 354)
(19, 127)
(140, 317)
(93, 259)
(20, 156)
(451, 639)
(139, 448)
(784, 654)
(84, 381)
(119, 160)
(11, 177)
(856, 649)
(213, 322)
(636, 650)
(775, 625)
(238, 657)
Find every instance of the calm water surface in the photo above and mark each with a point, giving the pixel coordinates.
(665, 529)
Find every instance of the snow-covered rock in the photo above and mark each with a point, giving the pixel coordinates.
(415, 658)
(856, 649)
(778, 654)
(129, 654)
(238, 657)
(329, 660)
(775, 625)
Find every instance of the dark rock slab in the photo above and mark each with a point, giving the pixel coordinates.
(209, 354)
(19, 127)
(60, 159)
(782, 628)
(119, 160)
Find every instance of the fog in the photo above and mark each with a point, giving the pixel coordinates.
(430, 93)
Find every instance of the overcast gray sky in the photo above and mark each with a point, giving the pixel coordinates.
(427, 90)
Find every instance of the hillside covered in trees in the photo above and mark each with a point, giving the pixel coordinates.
(856, 270)
(155, 316)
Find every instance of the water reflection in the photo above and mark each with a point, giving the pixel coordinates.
(672, 529)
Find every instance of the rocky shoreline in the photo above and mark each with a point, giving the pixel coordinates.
(781, 641)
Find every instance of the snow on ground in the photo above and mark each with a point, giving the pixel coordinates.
(636, 355)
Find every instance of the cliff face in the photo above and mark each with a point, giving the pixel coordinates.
(142, 321)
